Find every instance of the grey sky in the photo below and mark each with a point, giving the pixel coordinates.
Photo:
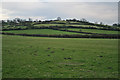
(106, 12)
(59, 0)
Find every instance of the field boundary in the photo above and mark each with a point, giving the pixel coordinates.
(51, 27)
(67, 36)
(83, 32)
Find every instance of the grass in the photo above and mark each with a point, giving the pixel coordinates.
(84, 26)
(94, 31)
(15, 27)
(47, 25)
(37, 57)
(76, 25)
(40, 31)
(59, 21)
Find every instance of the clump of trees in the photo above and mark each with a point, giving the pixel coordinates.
(118, 25)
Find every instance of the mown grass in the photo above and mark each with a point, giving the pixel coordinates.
(94, 31)
(37, 57)
(40, 31)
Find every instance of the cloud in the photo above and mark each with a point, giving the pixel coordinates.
(32, 17)
(60, 0)
(94, 11)
(4, 13)
(20, 0)
(26, 9)
(79, 0)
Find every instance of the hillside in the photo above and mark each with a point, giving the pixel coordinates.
(63, 28)
(59, 49)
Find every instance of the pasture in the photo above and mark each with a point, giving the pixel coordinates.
(40, 31)
(94, 31)
(88, 55)
(47, 25)
(38, 57)
(67, 25)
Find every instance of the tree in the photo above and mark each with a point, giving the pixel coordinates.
(30, 20)
(115, 24)
(74, 20)
(59, 18)
(118, 25)
(101, 23)
(83, 20)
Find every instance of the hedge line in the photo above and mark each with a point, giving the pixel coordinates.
(67, 36)
(50, 27)
(77, 31)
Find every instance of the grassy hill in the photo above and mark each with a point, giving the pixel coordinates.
(81, 50)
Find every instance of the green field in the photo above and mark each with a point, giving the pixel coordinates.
(40, 31)
(14, 27)
(84, 26)
(76, 25)
(37, 57)
(47, 25)
(94, 31)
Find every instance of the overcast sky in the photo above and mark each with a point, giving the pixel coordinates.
(94, 11)
(59, 0)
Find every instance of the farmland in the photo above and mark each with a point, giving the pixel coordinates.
(40, 31)
(76, 25)
(95, 31)
(37, 57)
(47, 25)
(85, 50)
